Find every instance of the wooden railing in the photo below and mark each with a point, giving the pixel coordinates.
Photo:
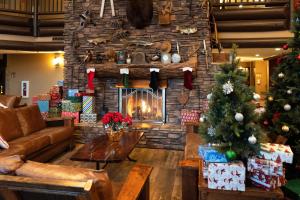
(223, 3)
(30, 6)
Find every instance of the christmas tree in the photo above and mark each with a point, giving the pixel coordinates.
(282, 115)
(231, 120)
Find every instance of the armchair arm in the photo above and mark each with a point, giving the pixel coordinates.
(60, 121)
(136, 186)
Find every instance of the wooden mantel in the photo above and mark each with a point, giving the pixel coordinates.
(172, 70)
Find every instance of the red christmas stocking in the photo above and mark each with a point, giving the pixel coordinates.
(91, 75)
(188, 78)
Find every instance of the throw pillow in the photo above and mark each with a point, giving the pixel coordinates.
(3, 143)
(8, 165)
(3, 106)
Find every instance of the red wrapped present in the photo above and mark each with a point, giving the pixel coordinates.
(55, 96)
(71, 114)
(189, 116)
(54, 89)
(267, 182)
(276, 152)
(269, 167)
(34, 100)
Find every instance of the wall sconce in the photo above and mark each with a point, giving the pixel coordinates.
(57, 60)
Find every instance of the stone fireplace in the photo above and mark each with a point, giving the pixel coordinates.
(157, 113)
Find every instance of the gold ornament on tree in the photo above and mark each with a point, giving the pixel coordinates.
(270, 98)
(285, 128)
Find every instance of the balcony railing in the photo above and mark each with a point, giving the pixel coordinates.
(29, 6)
(32, 17)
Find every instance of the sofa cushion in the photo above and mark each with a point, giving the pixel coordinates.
(56, 134)
(30, 119)
(8, 100)
(13, 150)
(9, 125)
(3, 143)
(32, 143)
(48, 171)
(8, 165)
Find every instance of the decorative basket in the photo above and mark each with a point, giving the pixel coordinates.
(114, 136)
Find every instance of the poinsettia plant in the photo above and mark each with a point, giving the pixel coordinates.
(116, 121)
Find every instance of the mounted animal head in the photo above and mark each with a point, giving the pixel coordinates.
(139, 12)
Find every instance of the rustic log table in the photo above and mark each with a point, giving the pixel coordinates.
(103, 150)
(251, 193)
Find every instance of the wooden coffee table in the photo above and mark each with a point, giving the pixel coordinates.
(102, 150)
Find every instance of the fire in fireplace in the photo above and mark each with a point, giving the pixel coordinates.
(143, 104)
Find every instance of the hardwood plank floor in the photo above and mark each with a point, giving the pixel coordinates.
(165, 179)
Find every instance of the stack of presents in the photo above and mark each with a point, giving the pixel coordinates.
(81, 106)
(50, 103)
(265, 171)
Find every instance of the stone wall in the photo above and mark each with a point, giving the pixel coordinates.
(106, 93)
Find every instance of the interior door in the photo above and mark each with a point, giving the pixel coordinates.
(3, 63)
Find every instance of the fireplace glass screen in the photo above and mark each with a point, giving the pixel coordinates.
(142, 104)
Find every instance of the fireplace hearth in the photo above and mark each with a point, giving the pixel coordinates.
(143, 104)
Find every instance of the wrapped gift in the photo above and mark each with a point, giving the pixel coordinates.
(227, 176)
(55, 103)
(71, 114)
(75, 107)
(204, 169)
(44, 97)
(55, 96)
(60, 83)
(34, 100)
(267, 182)
(54, 89)
(209, 154)
(189, 116)
(72, 92)
(65, 105)
(43, 106)
(75, 99)
(88, 118)
(269, 167)
(44, 115)
(276, 152)
(88, 104)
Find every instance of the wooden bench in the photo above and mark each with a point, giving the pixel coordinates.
(136, 187)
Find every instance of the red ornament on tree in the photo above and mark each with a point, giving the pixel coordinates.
(278, 60)
(285, 47)
(276, 117)
(298, 57)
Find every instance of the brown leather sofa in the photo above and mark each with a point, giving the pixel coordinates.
(28, 134)
(35, 181)
(11, 101)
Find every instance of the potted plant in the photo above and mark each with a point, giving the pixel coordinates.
(114, 123)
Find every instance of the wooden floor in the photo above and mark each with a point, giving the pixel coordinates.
(165, 180)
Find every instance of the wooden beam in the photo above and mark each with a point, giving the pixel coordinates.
(31, 46)
(254, 43)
